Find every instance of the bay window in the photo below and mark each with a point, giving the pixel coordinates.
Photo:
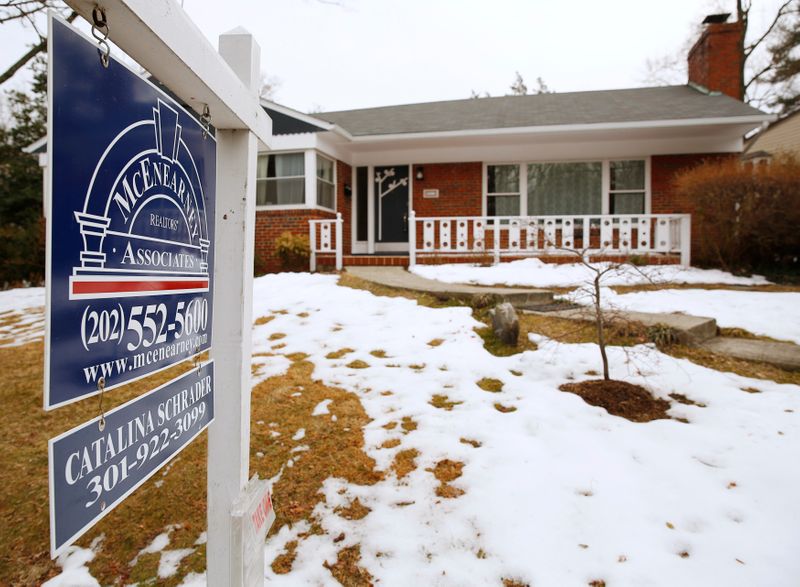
(280, 179)
(326, 188)
(301, 179)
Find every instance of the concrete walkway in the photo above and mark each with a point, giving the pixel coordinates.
(402, 279)
(691, 329)
(695, 330)
(783, 354)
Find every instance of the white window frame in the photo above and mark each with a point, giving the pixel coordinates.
(523, 186)
(606, 181)
(309, 162)
(304, 176)
(646, 190)
(334, 183)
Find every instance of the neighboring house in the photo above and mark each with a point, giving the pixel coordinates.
(553, 156)
(780, 137)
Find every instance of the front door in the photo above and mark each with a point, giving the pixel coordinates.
(391, 211)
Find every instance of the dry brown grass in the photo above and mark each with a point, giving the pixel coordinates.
(263, 320)
(358, 364)
(24, 520)
(490, 385)
(338, 354)
(347, 570)
(504, 409)
(435, 342)
(405, 462)
(408, 424)
(471, 442)
(446, 471)
(354, 511)
(772, 287)
(443, 402)
(336, 449)
(378, 353)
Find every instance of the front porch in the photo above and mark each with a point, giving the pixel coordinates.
(652, 238)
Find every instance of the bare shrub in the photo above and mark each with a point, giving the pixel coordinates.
(747, 216)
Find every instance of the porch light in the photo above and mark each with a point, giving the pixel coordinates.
(348, 191)
(420, 173)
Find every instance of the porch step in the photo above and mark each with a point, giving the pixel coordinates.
(402, 279)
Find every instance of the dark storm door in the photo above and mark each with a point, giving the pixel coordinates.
(391, 198)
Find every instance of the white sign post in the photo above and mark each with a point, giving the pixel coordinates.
(161, 37)
(229, 439)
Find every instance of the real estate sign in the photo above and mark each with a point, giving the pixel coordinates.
(95, 466)
(130, 220)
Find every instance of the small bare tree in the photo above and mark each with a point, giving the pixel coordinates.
(601, 315)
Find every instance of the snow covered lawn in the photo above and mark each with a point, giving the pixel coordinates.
(21, 315)
(773, 314)
(535, 273)
(555, 492)
(528, 484)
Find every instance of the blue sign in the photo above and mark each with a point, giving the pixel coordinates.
(130, 247)
(94, 468)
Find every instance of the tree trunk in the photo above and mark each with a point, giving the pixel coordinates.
(601, 341)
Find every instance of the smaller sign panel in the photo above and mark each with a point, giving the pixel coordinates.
(253, 515)
(93, 469)
(430, 194)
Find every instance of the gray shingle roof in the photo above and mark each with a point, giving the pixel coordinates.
(607, 106)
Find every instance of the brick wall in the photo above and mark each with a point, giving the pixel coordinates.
(715, 60)
(460, 188)
(269, 226)
(344, 204)
(665, 199)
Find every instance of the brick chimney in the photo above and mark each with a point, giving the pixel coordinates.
(715, 60)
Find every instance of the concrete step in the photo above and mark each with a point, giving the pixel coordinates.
(782, 354)
(402, 279)
(690, 329)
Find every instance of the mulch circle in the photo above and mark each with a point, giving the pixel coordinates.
(620, 398)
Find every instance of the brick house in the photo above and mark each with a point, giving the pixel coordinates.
(503, 176)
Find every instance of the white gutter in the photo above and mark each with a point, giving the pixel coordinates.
(561, 128)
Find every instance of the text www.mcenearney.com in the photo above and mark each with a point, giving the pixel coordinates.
(109, 369)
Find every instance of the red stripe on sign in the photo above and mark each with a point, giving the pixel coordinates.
(101, 287)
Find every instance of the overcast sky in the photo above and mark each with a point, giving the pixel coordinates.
(330, 55)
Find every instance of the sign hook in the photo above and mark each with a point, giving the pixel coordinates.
(100, 32)
(101, 386)
(205, 120)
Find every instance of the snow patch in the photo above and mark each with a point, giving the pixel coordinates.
(536, 273)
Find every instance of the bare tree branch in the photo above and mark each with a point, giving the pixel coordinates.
(748, 49)
(33, 52)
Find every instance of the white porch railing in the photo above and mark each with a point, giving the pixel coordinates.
(520, 236)
(325, 236)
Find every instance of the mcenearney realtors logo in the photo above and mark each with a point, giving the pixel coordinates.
(143, 222)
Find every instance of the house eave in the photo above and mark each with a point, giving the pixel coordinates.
(568, 128)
